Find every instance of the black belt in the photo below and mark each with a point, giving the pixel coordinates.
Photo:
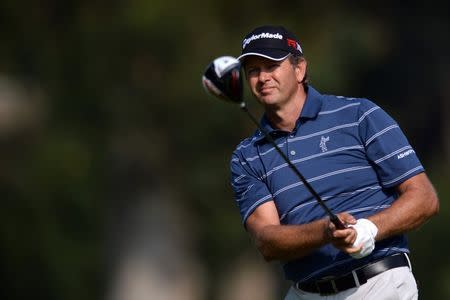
(333, 285)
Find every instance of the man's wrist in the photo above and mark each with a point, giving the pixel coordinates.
(326, 232)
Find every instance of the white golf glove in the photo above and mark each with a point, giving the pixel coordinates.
(365, 237)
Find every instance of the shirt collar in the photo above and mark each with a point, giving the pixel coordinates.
(310, 110)
(313, 104)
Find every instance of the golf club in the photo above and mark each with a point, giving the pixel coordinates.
(222, 78)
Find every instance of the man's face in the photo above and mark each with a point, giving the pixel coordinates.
(273, 83)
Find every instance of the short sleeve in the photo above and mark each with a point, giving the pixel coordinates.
(250, 191)
(387, 147)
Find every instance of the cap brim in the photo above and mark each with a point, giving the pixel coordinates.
(272, 54)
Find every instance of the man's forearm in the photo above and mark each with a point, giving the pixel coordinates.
(287, 242)
(416, 204)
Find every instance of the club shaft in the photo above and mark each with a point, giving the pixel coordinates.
(333, 218)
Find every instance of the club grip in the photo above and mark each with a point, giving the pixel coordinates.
(337, 222)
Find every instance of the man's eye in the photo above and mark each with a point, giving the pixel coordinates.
(252, 71)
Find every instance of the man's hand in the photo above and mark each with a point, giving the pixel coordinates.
(365, 237)
(344, 239)
(357, 239)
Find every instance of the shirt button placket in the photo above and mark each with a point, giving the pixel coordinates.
(292, 152)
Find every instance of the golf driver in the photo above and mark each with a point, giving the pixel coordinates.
(222, 78)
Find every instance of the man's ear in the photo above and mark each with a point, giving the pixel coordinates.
(300, 70)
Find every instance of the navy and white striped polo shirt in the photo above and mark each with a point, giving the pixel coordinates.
(351, 152)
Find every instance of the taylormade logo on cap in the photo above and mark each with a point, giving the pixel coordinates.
(271, 42)
(264, 35)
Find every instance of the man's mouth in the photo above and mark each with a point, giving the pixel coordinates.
(266, 90)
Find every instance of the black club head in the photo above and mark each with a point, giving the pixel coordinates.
(222, 78)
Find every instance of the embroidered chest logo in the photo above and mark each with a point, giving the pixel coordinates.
(323, 143)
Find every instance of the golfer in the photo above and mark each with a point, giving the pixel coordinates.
(357, 159)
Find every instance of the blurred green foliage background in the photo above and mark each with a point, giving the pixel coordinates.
(114, 161)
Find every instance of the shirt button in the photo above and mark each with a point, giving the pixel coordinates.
(292, 152)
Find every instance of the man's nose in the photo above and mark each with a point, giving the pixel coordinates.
(264, 76)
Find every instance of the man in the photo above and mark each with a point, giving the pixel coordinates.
(353, 154)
